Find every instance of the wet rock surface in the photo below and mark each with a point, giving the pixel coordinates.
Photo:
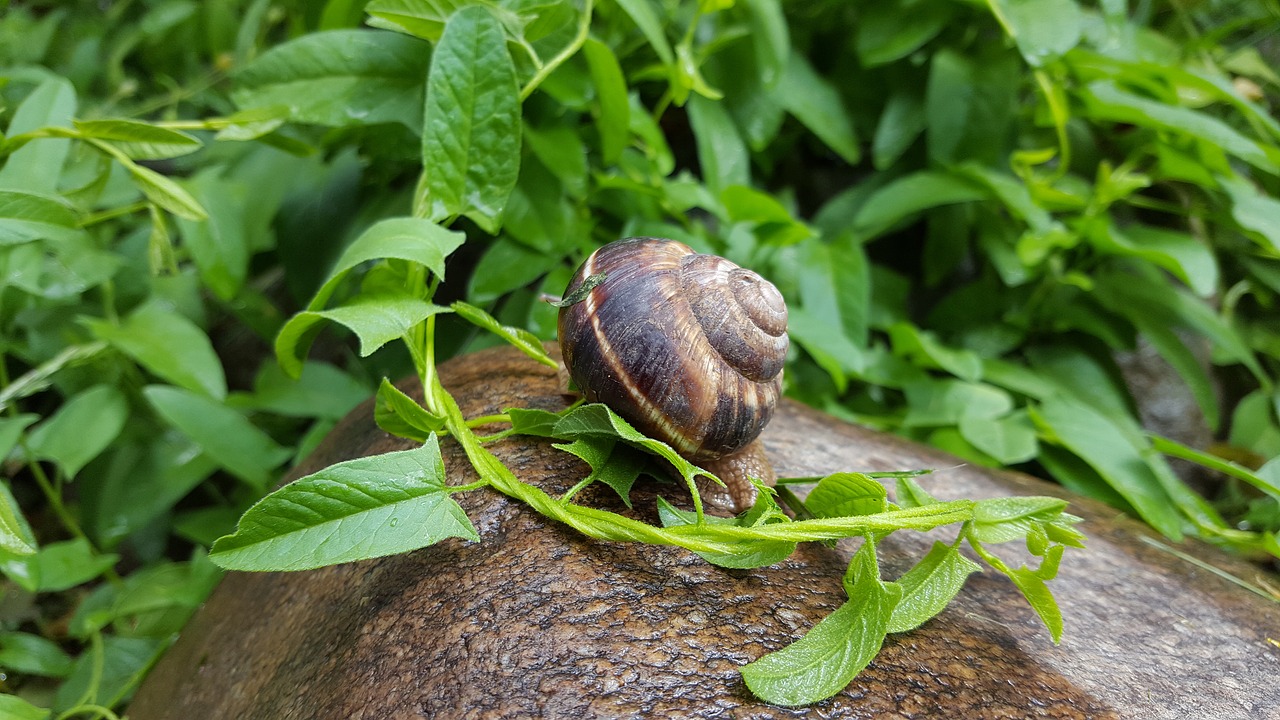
(537, 621)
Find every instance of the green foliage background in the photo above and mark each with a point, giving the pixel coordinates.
(971, 208)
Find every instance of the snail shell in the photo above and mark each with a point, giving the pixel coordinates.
(687, 347)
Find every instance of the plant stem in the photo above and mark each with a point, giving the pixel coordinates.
(584, 27)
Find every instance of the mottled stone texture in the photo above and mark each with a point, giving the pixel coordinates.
(535, 620)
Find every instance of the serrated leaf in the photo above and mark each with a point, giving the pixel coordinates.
(106, 671)
(359, 509)
(225, 435)
(402, 416)
(523, 340)
(169, 345)
(81, 429)
(340, 78)
(471, 133)
(139, 140)
(846, 494)
(929, 586)
(831, 654)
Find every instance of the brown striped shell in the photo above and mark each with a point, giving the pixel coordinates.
(687, 347)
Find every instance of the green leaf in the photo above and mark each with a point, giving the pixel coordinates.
(157, 601)
(930, 585)
(1190, 259)
(27, 216)
(1000, 520)
(225, 435)
(139, 140)
(16, 537)
(139, 481)
(614, 118)
(1226, 467)
(816, 103)
(375, 319)
(948, 103)
(1010, 439)
(1108, 450)
(769, 38)
(900, 124)
(924, 349)
(892, 30)
(1033, 588)
(827, 345)
(402, 416)
(169, 345)
(64, 565)
(739, 553)
(106, 671)
(532, 421)
(220, 246)
(1043, 29)
(845, 494)
(905, 197)
(910, 495)
(423, 18)
(81, 429)
(37, 166)
(643, 15)
(410, 239)
(11, 431)
(722, 154)
(522, 339)
(612, 463)
(340, 78)
(597, 420)
(471, 134)
(33, 655)
(506, 266)
(933, 403)
(359, 509)
(1105, 101)
(161, 190)
(13, 707)
(831, 654)
(322, 391)
(1254, 211)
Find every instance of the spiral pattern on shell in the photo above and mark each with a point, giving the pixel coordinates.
(686, 347)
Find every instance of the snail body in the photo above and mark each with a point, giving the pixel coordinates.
(688, 348)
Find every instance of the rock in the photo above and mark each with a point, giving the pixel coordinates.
(536, 620)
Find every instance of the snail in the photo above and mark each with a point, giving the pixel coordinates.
(685, 346)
